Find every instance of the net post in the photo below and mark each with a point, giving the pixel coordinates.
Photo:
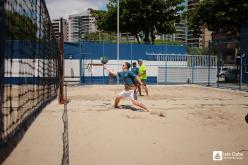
(65, 158)
(2, 57)
(61, 64)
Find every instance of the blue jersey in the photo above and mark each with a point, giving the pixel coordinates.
(135, 71)
(128, 77)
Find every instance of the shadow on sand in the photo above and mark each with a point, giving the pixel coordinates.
(129, 107)
(9, 144)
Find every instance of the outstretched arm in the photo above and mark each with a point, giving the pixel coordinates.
(137, 79)
(110, 71)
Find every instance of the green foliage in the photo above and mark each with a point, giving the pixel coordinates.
(19, 27)
(218, 15)
(197, 51)
(99, 37)
(168, 42)
(151, 17)
(111, 37)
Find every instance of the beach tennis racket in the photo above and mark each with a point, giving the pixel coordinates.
(104, 60)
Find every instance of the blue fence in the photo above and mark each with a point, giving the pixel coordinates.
(89, 52)
(94, 50)
(29, 49)
(129, 51)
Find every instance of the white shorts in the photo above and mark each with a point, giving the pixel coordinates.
(131, 94)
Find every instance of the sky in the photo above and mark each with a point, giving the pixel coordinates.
(63, 8)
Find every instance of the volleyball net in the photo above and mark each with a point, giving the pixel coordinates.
(29, 63)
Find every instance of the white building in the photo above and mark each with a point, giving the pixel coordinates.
(80, 24)
(185, 35)
(56, 24)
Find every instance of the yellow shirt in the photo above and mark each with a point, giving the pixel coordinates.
(142, 71)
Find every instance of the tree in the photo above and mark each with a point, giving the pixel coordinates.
(151, 17)
(99, 37)
(19, 27)
(219, 15)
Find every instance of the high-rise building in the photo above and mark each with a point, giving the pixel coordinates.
(80, 24)
(56, 24)
(194, 41)
(181, 32)
(180, 35)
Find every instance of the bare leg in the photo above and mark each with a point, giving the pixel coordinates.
(146, 90)
(139, 89)
(145, 87)
(117, 100)
(140, 105)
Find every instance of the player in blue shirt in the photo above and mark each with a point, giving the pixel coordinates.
(129, 79)
(135, 69)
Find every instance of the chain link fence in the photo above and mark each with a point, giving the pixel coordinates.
(215, 63)
(231, 65)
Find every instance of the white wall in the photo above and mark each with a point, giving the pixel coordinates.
(21, 65)
(73, 67)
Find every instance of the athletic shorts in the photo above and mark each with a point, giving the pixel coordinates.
(131, 94)
(143, 82)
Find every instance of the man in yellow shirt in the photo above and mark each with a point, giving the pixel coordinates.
(142, 76)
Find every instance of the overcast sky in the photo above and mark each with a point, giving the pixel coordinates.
(63, 8)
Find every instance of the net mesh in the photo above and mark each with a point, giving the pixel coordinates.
(29, 62)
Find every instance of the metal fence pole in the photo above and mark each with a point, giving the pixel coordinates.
(118, 38)
(103, 50)
(166, 69)
(80, 62)
(82, 66)
(218, 65)
(209, 49)
(241, 71)
(193, 63)
(131, 48)
(218, 71)
(103, 78)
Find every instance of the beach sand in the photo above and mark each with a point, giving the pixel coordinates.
(187, 123)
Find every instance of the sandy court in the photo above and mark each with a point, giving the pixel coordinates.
(186, 124)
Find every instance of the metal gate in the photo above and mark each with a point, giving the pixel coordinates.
(186, 68)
